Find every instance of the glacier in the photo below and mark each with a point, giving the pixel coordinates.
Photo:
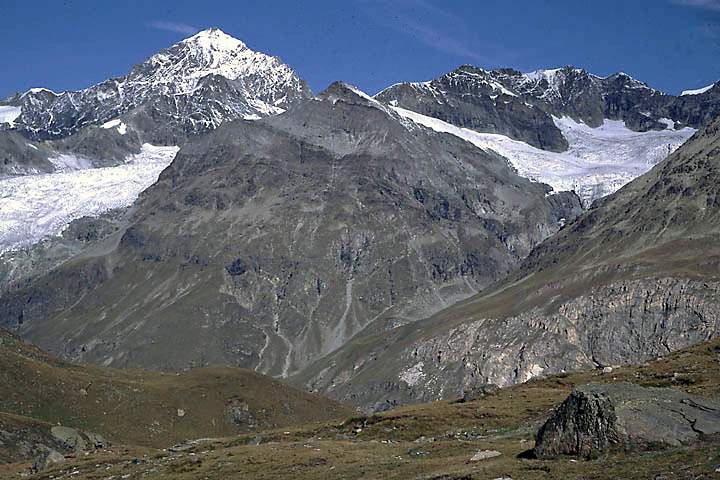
(9, 114)
(598, 162)
(33, 207)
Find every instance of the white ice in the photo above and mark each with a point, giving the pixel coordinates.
(117, 124)
(697, 91)
(598, 162)
(35, 206)
(9, 114)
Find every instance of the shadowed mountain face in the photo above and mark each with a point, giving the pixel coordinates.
(633, 278)
(522, 105)
(270, 243)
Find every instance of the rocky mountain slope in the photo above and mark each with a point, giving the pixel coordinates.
(633, 278)
(39, 391)
(190, 87)
(270, 243)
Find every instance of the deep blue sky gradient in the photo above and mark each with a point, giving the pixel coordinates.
(671, 44)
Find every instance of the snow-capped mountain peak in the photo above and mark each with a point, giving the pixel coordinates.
(187, 88)
(215, 39)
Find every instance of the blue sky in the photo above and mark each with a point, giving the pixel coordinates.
(70, 44)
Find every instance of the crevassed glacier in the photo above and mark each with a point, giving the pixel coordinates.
(35, 206)
(598, 162)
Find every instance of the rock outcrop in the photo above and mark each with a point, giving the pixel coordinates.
(598, 418)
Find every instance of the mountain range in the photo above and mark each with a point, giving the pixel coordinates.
(327, 238)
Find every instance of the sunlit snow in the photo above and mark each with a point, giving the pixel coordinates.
(117, 124)
(9, 114)
(598, 162)
(35, 206)
(697, 91)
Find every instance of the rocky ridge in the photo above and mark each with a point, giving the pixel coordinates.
(522, 105)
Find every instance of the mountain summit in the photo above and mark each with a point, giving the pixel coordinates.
(191, 87)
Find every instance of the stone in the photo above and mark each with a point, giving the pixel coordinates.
(597, 418)
(607, 369)
(96, 441)
(46, 459)
(484, 455)
(69, 437)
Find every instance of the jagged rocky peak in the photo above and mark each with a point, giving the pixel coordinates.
(188, 88)
(348, 93)
(209, 52)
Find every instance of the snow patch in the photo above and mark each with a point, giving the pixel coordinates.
(35, 206)
(9, 114)
(39, 90)
(598, 162)
(697, 91)
(117, 124)
(669, 122)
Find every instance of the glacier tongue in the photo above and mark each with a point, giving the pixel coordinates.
(598, 162)
(36, 206)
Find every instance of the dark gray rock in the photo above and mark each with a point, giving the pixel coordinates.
(46, 459)
(597, 418)
(471, 97)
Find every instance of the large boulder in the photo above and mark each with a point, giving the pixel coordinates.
(47, 458)
(625, 416)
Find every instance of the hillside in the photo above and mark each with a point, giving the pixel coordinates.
(145, 408)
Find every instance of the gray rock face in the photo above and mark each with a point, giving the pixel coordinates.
(18, 156)
(597, 418)
(188, 88)
(452, 352)
(521, 105)
(270, 243)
